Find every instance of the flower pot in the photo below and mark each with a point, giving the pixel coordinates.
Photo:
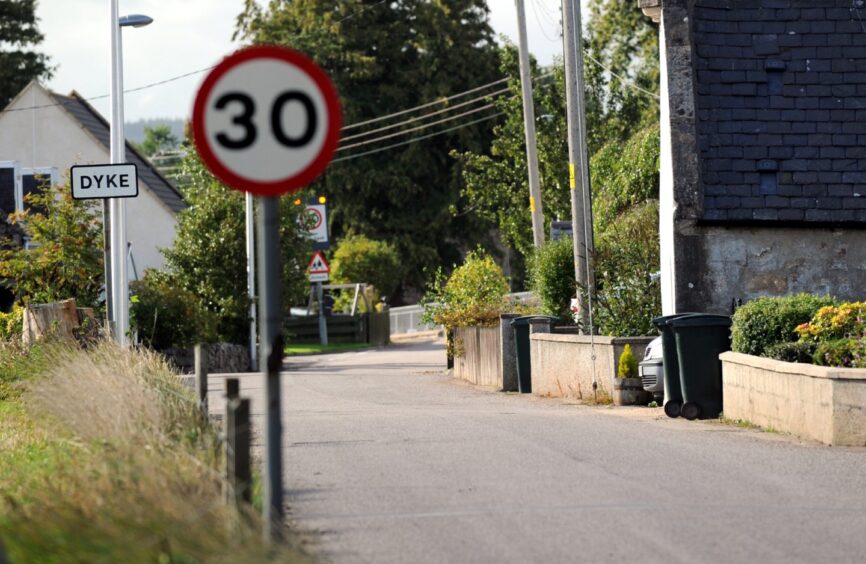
(629, 391)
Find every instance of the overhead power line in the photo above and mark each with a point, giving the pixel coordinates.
(417, 128)
(410, 130)
(416, 139)
(427, 105)
(443, 110)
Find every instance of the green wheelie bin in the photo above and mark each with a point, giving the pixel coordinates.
(700, 339)
(673, 394)
(521, 349)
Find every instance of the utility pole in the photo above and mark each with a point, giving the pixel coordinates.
(535, 207)
(578, 162)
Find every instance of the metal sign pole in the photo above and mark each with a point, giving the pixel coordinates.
(271, 357)
(323, 324)
(251, 278)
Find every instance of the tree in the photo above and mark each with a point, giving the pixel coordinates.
(621, 49)
(621, 67)
(208, 257)
(18, 64)
(495, 182)
(385, 57)
(157, 140)
(64, 258)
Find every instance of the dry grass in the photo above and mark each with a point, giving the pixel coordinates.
(116, 465)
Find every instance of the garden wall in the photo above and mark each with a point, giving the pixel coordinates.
(479, 363)
(562, 364)
(813, 402)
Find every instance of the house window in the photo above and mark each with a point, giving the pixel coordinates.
(10, 179)
(36, 181)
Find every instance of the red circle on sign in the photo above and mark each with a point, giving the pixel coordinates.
(318, 214)
(311, 170)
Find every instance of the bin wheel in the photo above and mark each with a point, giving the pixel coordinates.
(691, 410)
(672, 408)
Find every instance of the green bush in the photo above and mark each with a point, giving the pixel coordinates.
(166, 315)
(850, 353)
(625, 175)
(627, 364)
(551, 277)
(792, 352)
(359, 259)
(764, 322)
(474, 294)
(12, 323)
(626, 256)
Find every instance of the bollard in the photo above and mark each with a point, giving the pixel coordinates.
(233, 389)
(238, 471)
(201, 366)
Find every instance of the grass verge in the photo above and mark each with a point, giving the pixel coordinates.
(295, 349)
(104, 456)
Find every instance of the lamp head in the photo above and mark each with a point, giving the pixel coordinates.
(134, 20)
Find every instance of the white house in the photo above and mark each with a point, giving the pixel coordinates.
(45, 133)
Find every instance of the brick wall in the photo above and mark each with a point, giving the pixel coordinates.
(781, 109)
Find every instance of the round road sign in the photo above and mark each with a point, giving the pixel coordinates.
(266, 120)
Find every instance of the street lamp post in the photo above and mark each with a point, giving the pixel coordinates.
(117, 206)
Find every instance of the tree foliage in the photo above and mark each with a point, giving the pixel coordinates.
(621, 71)
(18, 34)
(358, 259)
(158, 139)
(474, 294)
(628, 295)
(621, 46)
(64, 258)
(551, 277)
(208, 258)
(495, 182)
(385, 57)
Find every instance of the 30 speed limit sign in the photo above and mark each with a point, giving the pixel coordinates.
(266, 120)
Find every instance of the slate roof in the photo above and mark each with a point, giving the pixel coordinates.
(93, 122)
(781, 109)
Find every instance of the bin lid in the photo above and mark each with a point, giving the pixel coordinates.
(526, 319)
(666, 319)
(702, 320)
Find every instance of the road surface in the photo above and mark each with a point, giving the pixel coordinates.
(387, 459)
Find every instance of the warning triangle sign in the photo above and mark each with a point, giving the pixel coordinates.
(318, 264)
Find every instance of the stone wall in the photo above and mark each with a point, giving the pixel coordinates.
(813, 402)
(562, 365)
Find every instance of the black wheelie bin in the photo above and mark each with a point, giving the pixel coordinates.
(521, 349)
(700, 339)
(673, 394)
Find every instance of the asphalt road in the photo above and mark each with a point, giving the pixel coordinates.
(387, 459)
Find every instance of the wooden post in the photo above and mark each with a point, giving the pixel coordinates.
(201, 366)
(238, 471)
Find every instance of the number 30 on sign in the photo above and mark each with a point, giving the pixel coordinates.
(267, 120)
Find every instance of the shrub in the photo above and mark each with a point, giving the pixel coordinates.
(65, 257)
(792, 352)
(551, 277)
(12, 323)
(626, 257)
(764, 322)
(835, 322)
(627, 364)
(474, 294)
(166, 315)
(359, 259)
(208, 256)
(850, 353)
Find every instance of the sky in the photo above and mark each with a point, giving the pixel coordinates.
(190, 35)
